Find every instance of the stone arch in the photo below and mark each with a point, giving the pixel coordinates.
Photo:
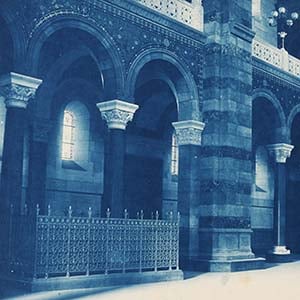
(293, 113)
(184, 87)
(75, 22)
(281, 129)
(18, 38)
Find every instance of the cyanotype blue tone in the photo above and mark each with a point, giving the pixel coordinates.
(143, 138)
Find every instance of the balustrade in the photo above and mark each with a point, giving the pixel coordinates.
(187, 12)
(279, 58)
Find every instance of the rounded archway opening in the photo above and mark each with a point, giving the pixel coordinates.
(152, 152)
(293, 189)
(78, 72)
(266, 128)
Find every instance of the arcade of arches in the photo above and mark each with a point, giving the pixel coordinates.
(128, 114)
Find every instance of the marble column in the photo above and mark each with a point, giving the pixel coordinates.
(280, 153)
(17, 91)
(117, 114)
(188, 134)
(38, 157)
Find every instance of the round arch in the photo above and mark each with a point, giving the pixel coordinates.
(268, 95)
(282, 129)
(59, 22)
(185, 86)
(291, 117)
(17, 36)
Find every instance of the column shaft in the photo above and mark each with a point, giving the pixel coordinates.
(188, 199)
(37, 176)
(280, 205)
(12, 160)
(113, 173)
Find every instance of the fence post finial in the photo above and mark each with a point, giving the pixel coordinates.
(142, 214)
(37, 209)
(171, 215)
(49, 210)
(108, 213)
(125, 213)
(156, 215)
(90, 212)
(70, 211)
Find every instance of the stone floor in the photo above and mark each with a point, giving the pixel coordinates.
(276, 282)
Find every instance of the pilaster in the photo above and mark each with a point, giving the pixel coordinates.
(225, 156)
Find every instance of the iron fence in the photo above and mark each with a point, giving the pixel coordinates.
(48, 245)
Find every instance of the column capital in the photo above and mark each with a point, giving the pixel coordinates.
(280, 151)
(117, 113)
(188, 132)
(18, 89)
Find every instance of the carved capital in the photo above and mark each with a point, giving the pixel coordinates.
(117, 113)
(188, 132)
(280, 152)
(18, 89)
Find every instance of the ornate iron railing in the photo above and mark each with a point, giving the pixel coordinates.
(188, 12)
(276, 57)
(45, 246)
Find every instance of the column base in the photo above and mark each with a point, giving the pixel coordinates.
(280, 250)
(279, 254)
(233, 265)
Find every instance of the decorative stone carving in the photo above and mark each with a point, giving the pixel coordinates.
(18, 89)
(280, 152)
(188, 132)
(117, 113)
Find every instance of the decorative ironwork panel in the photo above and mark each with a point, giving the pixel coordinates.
(69, 246)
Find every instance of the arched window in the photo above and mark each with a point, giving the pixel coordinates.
(174, 155)
(68, 136)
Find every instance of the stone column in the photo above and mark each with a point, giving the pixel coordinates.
(38, 157)
(17, 90)
(117, 114)
(188, 134)
(280, 152)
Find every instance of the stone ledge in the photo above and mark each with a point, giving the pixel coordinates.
(92, 281)
(228, 265)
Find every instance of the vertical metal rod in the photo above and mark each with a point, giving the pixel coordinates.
(48, 221)
(156, 241)
(69, 242)
(107, 242)
(88, 241)
(170, 241)
(141, 240)
(177, 250)
(124, 239)
(36, 239)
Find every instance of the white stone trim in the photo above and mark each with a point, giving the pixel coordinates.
(188, 132)
(280, 151)
(20, 79)
(117, 113)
